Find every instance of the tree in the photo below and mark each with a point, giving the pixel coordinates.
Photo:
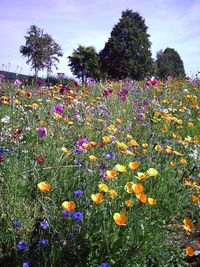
(85, 59)
(42, 51)
(169, 63)
(127, 52)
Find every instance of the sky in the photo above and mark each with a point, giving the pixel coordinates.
(171, 23)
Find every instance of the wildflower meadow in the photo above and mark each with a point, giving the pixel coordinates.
(103, 174)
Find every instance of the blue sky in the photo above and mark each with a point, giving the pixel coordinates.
(171, 23)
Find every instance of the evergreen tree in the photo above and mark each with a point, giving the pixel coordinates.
(169, 63)
(41, 50)
(85, 59)
(127, 52)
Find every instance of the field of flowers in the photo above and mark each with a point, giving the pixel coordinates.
(100, 175)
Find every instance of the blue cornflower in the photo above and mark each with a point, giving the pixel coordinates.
(78, 216)
(104, 264)
(76, 152)
(22, 245)
(26, 263)
(67, 213)
(44, 224)
(17, 223)
(109, 155)
(43, 242)
(78, 193)
(1, 152)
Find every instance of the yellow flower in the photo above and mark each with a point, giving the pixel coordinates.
(129, 203)
(187, 225)
(93, 144)
(137, 188)
(158, 148)
(133, 142)
(44, 187)
(183, 161)
(142, 176)
(97, 198)
(152, 172)
(134, 165)
(152, 201)
(164, 128)
(43, 123)
(68, 205)
(66, 151)
(145, 145)
(119, 120)
(85, 145)
(106, 139)
(189, 251)
(57, 116)
(195, 199)
(120, 219)
(103, 187)
(173, 163)
(190, 124)
(120, 168)
(111, 174)
(92, 158)
(129, 187)
(142, 197)
(121, 145)
(112, 193)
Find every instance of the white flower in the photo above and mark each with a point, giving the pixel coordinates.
(5, 119)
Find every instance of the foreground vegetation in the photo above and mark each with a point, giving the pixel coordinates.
(103, 175)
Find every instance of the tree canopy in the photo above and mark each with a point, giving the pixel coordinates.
(169, 63)
(41, 50)
(127, 51)
(85, 58)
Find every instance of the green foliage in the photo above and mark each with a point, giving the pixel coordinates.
(127, 52)
(85, 58)
(41, 50)
(169, 63)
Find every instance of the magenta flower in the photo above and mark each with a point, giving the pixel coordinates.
(17, 82)
(58, 109)
(42, 131)
(80, 143)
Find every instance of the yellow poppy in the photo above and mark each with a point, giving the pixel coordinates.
(111, 174)
(129, 203)
(152, 201)
(112, 193)
(44, 187)
(133, 142)
(187, 225)
(97, 198)
(120, 219)
(120, 168)
(134, 165)
(137, 188)
(152, 172)
(189, 251)
(92, 158)
(142, 176)
(158, 148)
(103, 187)
(68, 205)
(142, 197)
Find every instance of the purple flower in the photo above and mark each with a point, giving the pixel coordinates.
(42, 131)
(104, 264)
(16, 223)
(67, 213)
(80, 142)
(17, 82)
(58, 109)
(26, 263)
(44, 224)
(22, 245)
(39, 82)
(78, 193)
(43, 242)
(78, 216)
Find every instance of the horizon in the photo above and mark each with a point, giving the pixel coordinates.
(172, 23)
